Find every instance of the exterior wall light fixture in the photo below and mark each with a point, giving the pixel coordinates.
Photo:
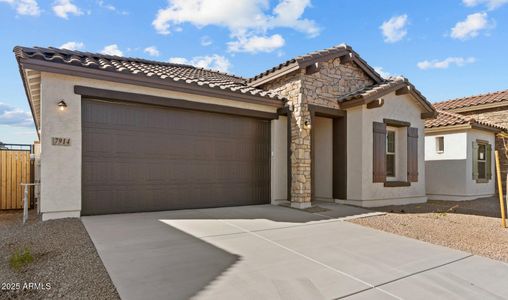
(306, 124)
(62, 105)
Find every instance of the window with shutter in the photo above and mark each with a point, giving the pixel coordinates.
(489, 162)
(412, 154)
(379, 152)
(475, 160)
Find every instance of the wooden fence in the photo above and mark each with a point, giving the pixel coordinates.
(15, 168)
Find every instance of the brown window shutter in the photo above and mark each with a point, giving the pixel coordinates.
(488, 161)
(412, 154)
(379, 153)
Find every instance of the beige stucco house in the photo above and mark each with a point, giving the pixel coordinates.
(126, 135)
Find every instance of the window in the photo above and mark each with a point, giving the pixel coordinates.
(390, 153)
(440, 144)
(482, 161)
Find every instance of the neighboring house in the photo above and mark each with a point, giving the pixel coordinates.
(491, 107)
(127, 135)
(459, 161)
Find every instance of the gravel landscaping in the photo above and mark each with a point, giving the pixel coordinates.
(471, 226)
(63, 258)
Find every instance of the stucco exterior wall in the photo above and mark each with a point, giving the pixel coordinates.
(449, 174)
(61, 165)
(323, 156)
(279, 160)
(360, 188)
(446, 173)
(454, 146)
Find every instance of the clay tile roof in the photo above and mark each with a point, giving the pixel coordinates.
(309, 58)
(375, 89)
(445, 118)
(473, 100)
(388, 85)
(142, 67)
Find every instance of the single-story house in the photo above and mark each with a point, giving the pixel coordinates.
(128, 135)
(459, 157)
(490, 107)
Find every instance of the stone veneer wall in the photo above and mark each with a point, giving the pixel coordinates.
(321, 88)
(498, 115)
(332, 81)
(290, 86)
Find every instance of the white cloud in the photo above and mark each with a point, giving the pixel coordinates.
(243, 18)
(206, 41)
(13, 116)
(64, 8)
(382, 72)
(112, 50)
(394, 29)
(444, 64)
(111, 7)
(471, 26)
(73, 46)
(152, 51)
(256, 44)
(24, 7)
(179, 60)
(212, 62)
(288, 13)
(491, 4)
(107, 6)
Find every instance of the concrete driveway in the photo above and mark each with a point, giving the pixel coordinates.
(273, 252)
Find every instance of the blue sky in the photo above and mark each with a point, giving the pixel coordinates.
(448, 48)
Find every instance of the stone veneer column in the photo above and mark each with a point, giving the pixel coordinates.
(300, 156)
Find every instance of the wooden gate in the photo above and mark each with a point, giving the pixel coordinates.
(15, 168)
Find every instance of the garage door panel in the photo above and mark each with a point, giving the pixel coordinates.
(142, 158)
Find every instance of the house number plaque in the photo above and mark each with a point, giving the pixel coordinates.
(59, 141)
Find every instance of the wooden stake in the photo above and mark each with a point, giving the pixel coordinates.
(500, 189)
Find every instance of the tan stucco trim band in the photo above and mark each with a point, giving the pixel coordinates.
(169, 102)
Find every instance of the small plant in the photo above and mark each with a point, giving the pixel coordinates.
(440, 214)
(20, 259)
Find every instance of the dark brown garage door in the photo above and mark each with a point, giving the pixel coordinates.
(144, 158)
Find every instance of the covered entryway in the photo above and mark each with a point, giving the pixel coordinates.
(328, 153)
(145, 158)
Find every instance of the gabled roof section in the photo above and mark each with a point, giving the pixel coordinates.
(306, 60)
(471, 102)
(392, 84)
(176, 76)
(446, 119)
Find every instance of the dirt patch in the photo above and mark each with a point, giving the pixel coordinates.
(471, 226)
(65, 263)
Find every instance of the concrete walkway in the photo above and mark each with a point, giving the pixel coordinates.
(271, 252)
